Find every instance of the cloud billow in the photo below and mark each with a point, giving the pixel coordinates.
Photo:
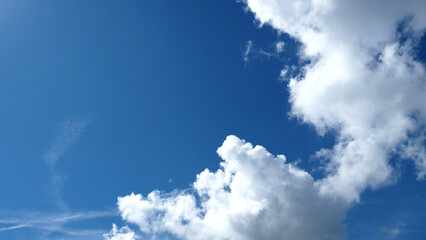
(363, 82)
(254, 195)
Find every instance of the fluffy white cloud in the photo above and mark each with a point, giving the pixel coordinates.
(363, 83)
(123, 233)
(254, 195)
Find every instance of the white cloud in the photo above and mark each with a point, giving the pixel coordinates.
(414, 149)
(362, 82)
(47, 223)
(250, 52)
(279, 47)
(123, 233)
(394, 230)
(247, 50)
(68, 134)
(57, 223)
(254, 195)
(283, 73)
(13, 227)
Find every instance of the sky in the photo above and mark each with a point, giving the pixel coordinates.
(181, 120)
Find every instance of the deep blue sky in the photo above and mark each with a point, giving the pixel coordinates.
(160, 84)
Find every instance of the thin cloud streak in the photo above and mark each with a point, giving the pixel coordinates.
(14, 227)
(250, 52)
(56, 222)
(69, 132)
(246, 53)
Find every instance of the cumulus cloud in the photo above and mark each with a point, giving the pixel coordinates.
(414, 149)
(363, 82)
(254, 195)
(123, 233)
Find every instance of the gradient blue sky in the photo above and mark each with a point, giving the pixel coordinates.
(103, 98)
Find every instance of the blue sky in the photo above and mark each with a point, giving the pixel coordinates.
(100, 99)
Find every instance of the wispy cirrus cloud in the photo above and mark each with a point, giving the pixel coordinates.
(247, 51)
(250, 51)
(56, 222)
(394, 230)
(46, 223)
(68, 133)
